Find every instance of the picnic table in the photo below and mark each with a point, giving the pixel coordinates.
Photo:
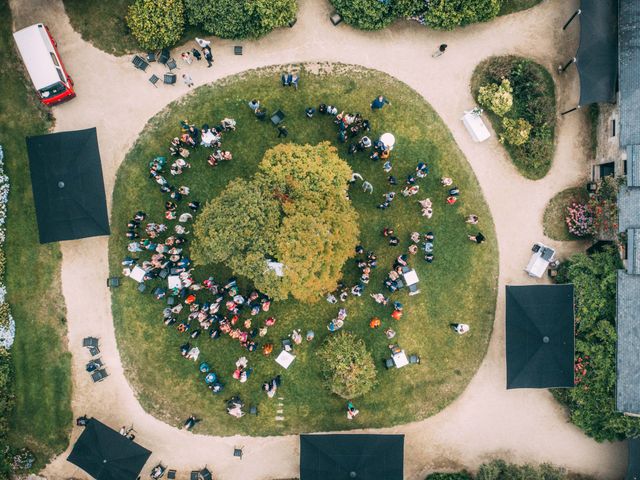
(137, 274)
(284, 359)
(475, 126)
(174, 281)
(400, 359)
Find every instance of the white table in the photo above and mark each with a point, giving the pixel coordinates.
(400, 359)
(539, 261)
(475, 126)
(411, 277)
(137, 274)
(208, 138)
(174, 282)
(285, 359)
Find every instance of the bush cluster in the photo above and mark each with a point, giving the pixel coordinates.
(497, 98)
(592, 402)
(240, 18)
(438, 14)
(501, 470)
(157, 24)
(534, 102)
(348, 365)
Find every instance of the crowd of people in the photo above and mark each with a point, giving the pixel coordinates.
(212, 308)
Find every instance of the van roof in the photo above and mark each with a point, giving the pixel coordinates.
(35, 48)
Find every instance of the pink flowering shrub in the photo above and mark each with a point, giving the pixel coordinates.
(580, 220)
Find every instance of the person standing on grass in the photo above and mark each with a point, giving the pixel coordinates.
(379, 103)
(440, 51)
(188, 81)
(282, 131)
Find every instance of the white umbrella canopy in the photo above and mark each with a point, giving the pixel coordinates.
(388, 139)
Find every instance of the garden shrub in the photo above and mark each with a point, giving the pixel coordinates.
(156, 24)
(516, 132)
(240, 18)
(348, 366)
(533, 100)
(295, 210)
(579, 219)
(592, 402)
(497, 98)
(6, 405)
(501, 470)
(449, 14)
(449, 476)
(365, 14)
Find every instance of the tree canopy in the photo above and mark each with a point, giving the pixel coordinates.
(240, 18)
(348, 365)
(156, 24)
(294, 211)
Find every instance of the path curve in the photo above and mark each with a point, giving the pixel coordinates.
(486, 421)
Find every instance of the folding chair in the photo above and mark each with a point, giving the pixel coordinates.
(139, 63)
(171, 474)
(171, 64)
(142, 287)
(237, 50)
(151, 57)
(205, 474)
(163, 56)
(169, 79)
(90, 342)
(277, 117)
(195, 475)
(237, 452)
(388, 363)
(93, 351)
(414, 359)
(113, 282)
(154, 79)
(99, 375)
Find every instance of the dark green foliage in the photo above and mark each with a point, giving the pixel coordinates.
(408, 8)
(6, 405)
(500, 470)
(156, 24)
(449, 476)
(449, 14)
(365, 14)
(240, 18)
(592, 402)
(534, 100)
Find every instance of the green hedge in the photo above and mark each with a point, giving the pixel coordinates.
(592, 403)
(501, 470)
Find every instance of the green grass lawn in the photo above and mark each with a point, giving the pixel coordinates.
(534, 99)
(41, 362)
(460, 286)
(512, 6)
(553, 222)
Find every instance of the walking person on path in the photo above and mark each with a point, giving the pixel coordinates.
(202, 42)
(188, 81)
(440, 50)
(208, 56)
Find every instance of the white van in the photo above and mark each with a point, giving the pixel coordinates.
(40, 55)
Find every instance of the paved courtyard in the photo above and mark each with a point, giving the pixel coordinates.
(486, 421)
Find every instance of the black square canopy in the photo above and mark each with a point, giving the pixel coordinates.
(540, 336)
(106, 455)
(346, 457)
(68, 190)
(597, 57)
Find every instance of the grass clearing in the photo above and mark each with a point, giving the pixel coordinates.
(460, 286)
(553, 222)
(42, 385)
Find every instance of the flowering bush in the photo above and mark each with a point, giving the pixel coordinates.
(7, 324)
(497, 98)
(516, 132)
(580, 220)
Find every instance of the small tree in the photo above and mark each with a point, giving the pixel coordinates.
(516, 132)
(156, 23)
(497, 98)
(348, 366)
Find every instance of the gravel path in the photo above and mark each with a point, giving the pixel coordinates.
(487, 420)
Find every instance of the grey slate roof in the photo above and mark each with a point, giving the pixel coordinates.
(628, 208)
(628, 343)
(633, 165)
(633, 251)
(629, 71)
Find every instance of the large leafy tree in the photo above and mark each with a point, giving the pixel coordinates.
(156, 23)
(348, 365)
(592, 402)
(295, 211)
(240, 18)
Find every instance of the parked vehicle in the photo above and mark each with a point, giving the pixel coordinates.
(40, 55)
